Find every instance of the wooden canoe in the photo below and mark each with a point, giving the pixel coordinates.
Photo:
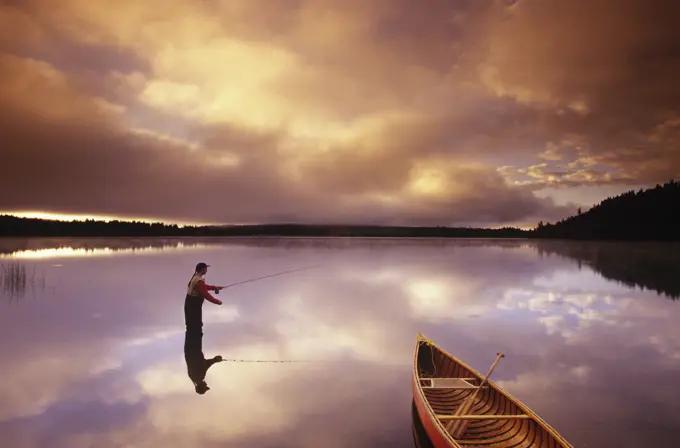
(444, 385)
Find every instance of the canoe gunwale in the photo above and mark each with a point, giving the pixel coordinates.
(422, 400)
(418, 389)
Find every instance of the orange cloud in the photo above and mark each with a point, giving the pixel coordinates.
(330, 110)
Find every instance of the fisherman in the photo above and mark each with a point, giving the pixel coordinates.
(197, 291)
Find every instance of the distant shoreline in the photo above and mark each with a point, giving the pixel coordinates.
(264, 237)
(337, 237)
(645, 216)
(12, 227)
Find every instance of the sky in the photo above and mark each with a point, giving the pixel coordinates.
(471, 112)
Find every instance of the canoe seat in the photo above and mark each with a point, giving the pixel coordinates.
(445, 383)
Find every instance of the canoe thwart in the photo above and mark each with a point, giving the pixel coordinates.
(483, 417)
(445, 383)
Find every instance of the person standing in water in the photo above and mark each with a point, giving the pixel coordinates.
(197, 292)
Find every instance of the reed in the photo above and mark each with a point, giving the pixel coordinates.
(16, 281)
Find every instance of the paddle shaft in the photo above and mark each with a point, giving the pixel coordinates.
(460, 426)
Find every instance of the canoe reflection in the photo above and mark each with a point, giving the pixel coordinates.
(420, 439)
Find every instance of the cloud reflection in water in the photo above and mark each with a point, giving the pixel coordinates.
(582, 351)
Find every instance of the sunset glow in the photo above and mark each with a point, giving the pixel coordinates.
(460, 113)
(82, 217)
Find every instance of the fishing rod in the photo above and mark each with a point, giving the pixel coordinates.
(267, 276)
(269, 360)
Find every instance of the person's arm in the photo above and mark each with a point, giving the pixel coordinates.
(211, 361)
(206, 293)
(212, 287)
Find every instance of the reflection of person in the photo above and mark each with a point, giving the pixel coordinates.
(197, 365)
(197, 291)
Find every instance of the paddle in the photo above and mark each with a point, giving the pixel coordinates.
(460, 426)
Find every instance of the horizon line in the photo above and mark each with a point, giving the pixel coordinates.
(101, 219)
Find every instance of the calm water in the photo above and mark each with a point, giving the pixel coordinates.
(93, 334)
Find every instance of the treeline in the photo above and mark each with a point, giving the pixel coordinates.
(646, 215)
(368, 231)
(28, 227)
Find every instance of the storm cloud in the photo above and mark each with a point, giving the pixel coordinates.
(444, 113)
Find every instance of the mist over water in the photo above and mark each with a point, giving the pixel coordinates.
(93, 336)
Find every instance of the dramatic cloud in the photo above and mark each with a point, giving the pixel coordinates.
(326, 111)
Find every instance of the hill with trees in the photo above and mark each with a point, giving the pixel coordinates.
(645, 215)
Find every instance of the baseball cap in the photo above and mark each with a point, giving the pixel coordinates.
(200, 266)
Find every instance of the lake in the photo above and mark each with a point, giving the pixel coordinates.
(93, 337)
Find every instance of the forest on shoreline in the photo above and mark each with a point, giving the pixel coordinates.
(645, 215)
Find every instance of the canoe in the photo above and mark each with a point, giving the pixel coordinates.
(458, 408)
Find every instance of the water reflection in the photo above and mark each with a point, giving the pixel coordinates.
(420, 438)
(650, 266)
(645, 265)
(197, 365)
(51, 248)
(16, 281)
(100, 366)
